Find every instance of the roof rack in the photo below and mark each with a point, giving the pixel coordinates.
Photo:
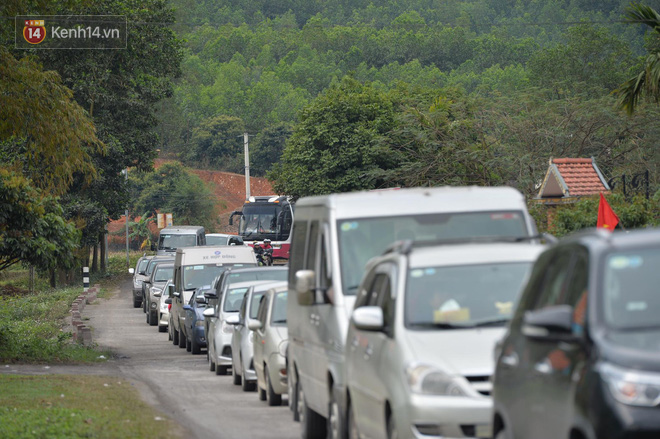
(406, 246)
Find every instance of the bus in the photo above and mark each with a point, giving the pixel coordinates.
(267, 217)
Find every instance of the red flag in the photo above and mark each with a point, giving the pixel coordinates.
(607, 219)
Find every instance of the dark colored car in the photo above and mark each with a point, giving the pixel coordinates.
(149, 273)
(139, 276)
(193, 327)
(581, 359)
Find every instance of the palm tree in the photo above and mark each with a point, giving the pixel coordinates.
(648, 80)
(141, 230)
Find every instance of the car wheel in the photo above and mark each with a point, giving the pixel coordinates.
(221, 370)
(334, 421)
(272, 397)
(148, 315)
(211, 362)
(195, 348)
(153, 320)
(352, 425)
(293, 393)
(262, 393)
(246, 385)
(236, 377)
(182, 339)
(313, 425)
(175, 337)
(136, 303)
(391, 427)
(188, 345)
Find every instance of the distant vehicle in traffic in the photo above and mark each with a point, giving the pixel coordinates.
(419, 347)
(581, 358)
(160, 276)
(164, 308)
(223, 239)
(171, 238)
(270, 340)
(149, 279)
(193, 325)
(139, 275)
(267, 217)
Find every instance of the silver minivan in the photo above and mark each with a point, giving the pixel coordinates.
(333, 238)
(173, 237)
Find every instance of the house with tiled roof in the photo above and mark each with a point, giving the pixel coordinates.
(568, 179)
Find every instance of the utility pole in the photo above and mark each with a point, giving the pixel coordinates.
(125, 172)
(247, 165)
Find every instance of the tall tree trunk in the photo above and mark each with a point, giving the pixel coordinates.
(103, 251)
(53, 280)
(95, 260)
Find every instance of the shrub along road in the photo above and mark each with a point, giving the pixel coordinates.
(170, 379)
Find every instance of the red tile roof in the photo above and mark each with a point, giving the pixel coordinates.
(580, 176)
(576, 177)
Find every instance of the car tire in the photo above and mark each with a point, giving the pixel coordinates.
(246, 385)
(262, 394)
(335, 424)
(195, 347)
(211, 363)
(293, 393)
(220, 370)
(236, 377)
(137, 303)
(313, 425)
(188, 345)
(153, 319)
(272, 397)
(148, 315)
(352, 432)
(175, 337)
(391, 427)
(182, 339)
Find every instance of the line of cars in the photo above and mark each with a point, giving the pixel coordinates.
(440, 312)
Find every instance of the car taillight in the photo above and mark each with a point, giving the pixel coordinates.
(169, 306)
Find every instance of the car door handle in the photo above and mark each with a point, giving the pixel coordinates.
(510, 360)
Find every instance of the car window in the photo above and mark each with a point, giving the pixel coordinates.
(554, 287)
(263, 310)
(142, 265)
(234, 298)
(163, 274)
(278, 316)
(241, 312)
(297, 250)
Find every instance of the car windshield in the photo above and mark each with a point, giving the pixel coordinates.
(234, 299)
(171, 242)
(216, 240)
(254, 305)
(143, 265)
(153, 263)
(362, 239)
(631, 300)
(463, 296)
(278, 317)
(164, 274)
(194, 276)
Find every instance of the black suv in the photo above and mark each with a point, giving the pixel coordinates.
(581, 359)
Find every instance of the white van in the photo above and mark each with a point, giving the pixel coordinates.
(197, 267)
(173, 237)
(333, 238)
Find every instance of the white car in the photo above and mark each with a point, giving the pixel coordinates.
(419, 347)
(163, 308)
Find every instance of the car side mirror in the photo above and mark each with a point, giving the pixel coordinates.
(254, 325)
(209, 312)
(211, 294)
(158, 294)
(368, 318)
(175, 294)
(200, 299)
(549, 322)
(168, 301)
(170, 289)
(131, 270)
(304, 285)
(233, 320)
(187, 307)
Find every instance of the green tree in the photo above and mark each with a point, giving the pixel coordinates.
(140, 230)
(268, 148)
(647, 81)
(32, 227)
(218, 142)
(334, 147)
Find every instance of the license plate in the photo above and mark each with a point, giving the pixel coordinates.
(484, 431)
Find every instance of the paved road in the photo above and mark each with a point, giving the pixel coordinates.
(174, 381)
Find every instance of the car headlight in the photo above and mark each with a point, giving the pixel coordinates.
(428, 380)
(137, 283)
(155, 290)
(632, 387)
(227, 328)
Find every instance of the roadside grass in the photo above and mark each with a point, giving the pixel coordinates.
(80, 406)
(31, 329)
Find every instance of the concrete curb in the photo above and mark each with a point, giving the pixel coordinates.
(82, 333)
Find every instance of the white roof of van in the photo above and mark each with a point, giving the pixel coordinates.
(181, 229)
(473, 254)
(225, 254)
(418, 200)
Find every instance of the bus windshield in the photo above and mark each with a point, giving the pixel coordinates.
(265, 221)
